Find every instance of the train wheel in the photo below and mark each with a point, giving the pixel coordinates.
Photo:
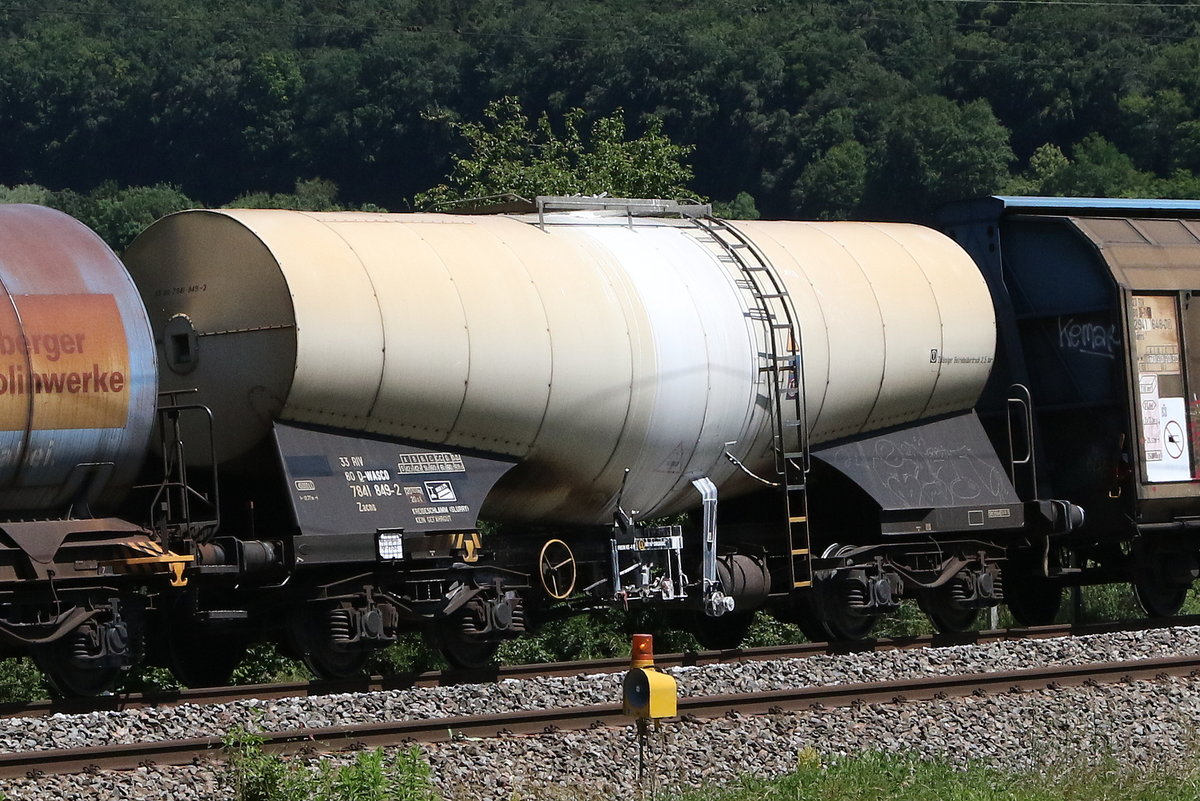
(73, 680)
(466, 651)
(72, 668)
(327, 661)
(1155, 582)
(81, 681)
(833, 604)
(1160, 599)
(843, 623)
(721, 633)
(319, 634)
(1033, 601)
(947, 615)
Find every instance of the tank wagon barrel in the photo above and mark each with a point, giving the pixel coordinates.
(580, 347)
(72, 328)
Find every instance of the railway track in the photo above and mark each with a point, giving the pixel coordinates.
(335, 738)
(517, 723)
(217, 695)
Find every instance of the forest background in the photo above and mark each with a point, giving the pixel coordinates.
(851, 109)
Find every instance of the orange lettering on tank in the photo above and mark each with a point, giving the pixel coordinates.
(69, 356)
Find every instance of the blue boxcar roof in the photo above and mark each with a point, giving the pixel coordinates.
(1112, 203)
(996, 206)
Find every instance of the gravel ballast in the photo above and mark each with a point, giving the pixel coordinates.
(1140, 722)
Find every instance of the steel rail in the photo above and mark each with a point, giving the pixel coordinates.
(549, 721)
(216, 695)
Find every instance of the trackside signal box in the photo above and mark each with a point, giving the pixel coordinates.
(648, 692)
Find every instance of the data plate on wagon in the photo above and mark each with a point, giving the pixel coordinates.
(340, 484)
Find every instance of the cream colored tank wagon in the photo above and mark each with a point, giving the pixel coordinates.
(592, 368)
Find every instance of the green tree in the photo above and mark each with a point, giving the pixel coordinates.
(1098, 168)
(118, 214)
(508, 155)
(932, 150)
(270, 88)
(221, 99)
(312, 194)
(742, 207)
(1046, 165)
(26, 193)
(831, 187)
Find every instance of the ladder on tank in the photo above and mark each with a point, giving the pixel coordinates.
(768, 303)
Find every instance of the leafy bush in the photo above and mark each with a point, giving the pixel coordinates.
(20, 680)
(373, 776)
(315, 194)
(264, 664)
(116, 213)
(410, 653)
(254, 775)
(510, 154)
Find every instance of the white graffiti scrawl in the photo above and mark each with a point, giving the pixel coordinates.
(1089, 338)
(921, 474)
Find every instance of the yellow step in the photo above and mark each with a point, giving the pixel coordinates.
(800, 552)
(800, 584)
(801, 519)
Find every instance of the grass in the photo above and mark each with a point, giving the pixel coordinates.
(906, 777)
(252, 775)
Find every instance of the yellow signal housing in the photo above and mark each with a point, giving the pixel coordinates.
(648, 692)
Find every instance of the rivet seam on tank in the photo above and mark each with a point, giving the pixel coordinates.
(463, 311)
(222, 332)
(941, 324)
(379, 307)
(515, 256)
(883, 324)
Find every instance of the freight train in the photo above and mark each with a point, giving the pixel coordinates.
(327, 429)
